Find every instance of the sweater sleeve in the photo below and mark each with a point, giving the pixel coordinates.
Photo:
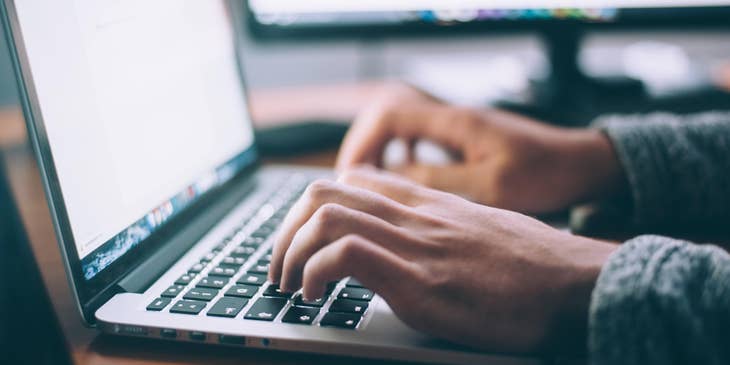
(661, 301)
(677, 167)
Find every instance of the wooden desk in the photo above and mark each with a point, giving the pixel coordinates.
(87, 345)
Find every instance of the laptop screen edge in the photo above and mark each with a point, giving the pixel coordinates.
(86, 293)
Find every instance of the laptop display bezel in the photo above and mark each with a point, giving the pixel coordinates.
(92, 293)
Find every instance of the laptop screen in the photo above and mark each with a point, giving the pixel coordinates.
(144, 111)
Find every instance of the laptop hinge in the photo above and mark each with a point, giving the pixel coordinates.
(144, 275)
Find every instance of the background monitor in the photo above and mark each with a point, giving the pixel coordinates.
(565, 95)
(347, 18)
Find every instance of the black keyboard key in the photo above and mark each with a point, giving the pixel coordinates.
(356, 293)
(185, 279)
(215, 282)
(209, 256)
(266, 309)
(273, 222)
(263, 232)
(354, 283)
(281, 213)
(188, 307)
(197, 267)
(242, 291)
(227, 307)
(309, 303)
(273, 291)
(172, 291)
(201, 294)
(300, 315)
(158, 304)
(260, 268)
(230, 260)
(349, 306)
(224, 270)
(252, 279)
(342, 320)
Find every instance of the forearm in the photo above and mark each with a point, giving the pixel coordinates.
(661, 301)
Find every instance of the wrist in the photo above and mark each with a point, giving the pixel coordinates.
(569, 326)
(591, 160)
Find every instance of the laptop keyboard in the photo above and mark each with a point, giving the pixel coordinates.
(230, 281)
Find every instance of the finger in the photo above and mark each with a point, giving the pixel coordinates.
(330, 223)
(372, 130)
(323, 192)
(385, 183)
(454, 178)
(373, 265)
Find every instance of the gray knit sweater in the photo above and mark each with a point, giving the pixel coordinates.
(660, 300)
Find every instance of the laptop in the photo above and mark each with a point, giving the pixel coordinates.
(25, 309)
(138, 116)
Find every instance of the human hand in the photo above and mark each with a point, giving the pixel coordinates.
(475, 275)
(503, 159)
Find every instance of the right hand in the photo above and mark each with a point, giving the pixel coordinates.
(475, 275)
(504, 159)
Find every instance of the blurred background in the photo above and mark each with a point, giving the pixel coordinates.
(471, 68)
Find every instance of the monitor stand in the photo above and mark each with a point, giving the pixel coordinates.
(567, 96)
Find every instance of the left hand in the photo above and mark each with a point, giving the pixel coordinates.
(501, 159)
(475, 275)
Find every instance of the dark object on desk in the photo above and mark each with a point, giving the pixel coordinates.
(29, 331)
(305, 137)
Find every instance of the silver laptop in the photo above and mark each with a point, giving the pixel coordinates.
(138, 115)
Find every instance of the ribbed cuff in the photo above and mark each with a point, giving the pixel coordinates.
(661, 301)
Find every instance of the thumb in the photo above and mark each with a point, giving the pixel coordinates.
(453, 178)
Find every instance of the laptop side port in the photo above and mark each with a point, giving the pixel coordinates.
(197, 336)
(168, 333)
(232, 340)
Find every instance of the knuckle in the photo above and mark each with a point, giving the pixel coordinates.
(471, 119)
(328, 214)
(382, 112)
(350, 248)
(319, 189)
(389, 112)
(432, 283)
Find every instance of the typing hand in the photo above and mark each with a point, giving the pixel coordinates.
(475, 275)
(502, 159)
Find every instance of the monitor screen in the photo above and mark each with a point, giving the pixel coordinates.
(332, 13)
(144, 111)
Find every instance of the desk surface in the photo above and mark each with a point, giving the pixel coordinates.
(87, 345)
